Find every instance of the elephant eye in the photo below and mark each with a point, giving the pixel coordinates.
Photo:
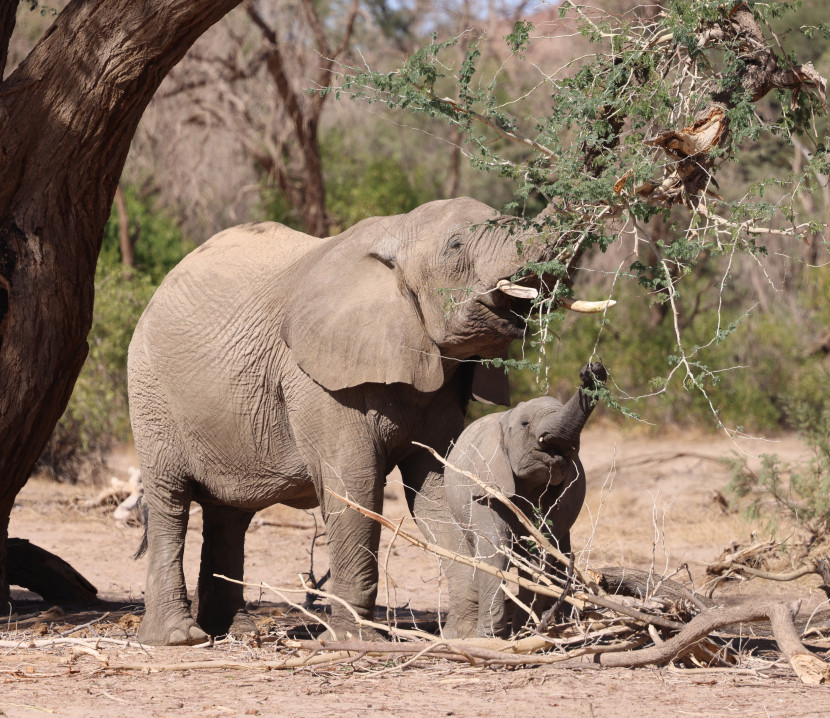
(455, 243)
(525, 423)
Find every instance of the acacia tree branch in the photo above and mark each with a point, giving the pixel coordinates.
(691, 148)
(511, 135)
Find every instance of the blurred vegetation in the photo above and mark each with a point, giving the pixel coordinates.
(798, 491)
(767, 360)
(97, 414)
(358, 185)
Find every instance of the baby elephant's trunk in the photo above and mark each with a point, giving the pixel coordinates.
(575, 413)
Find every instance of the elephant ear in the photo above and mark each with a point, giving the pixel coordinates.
(347, 322)
(480, 450)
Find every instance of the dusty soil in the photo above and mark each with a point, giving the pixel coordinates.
(651, 502)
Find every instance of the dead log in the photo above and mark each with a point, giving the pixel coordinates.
(37, 570)
(809, 668)
(642, 584)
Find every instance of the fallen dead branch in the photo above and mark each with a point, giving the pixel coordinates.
(50, 642)
(528, 651)
(690, 641)
(578, 599)
(808, 667)
(737, 562)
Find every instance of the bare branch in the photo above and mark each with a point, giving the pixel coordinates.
(579, 598)
(498, 494)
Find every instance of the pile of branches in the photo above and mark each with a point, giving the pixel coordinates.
(618, 618)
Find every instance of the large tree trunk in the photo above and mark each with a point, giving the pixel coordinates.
(67, 115)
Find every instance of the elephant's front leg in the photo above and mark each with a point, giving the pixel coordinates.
(220, 605)
(541, 605)
(353, 541)
(423, 479)
(491, 540)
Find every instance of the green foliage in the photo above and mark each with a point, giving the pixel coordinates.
(97, 413)
(607, 159)
(358, 185)
(159, 245)
(519, 40)
(798, 491)
(368, 186)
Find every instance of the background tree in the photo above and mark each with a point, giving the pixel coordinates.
(255, 85)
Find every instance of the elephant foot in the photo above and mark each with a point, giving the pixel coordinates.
(458, 628)
(217, 616)
(241, 626)
(181, 631)
(351, 631)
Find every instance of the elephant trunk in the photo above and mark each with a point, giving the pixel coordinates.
(572, 418)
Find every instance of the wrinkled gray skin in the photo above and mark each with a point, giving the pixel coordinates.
(531, 453)
(271, 366)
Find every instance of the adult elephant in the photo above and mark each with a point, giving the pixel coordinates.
(271, 366)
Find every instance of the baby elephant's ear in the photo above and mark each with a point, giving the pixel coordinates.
(481, 451)
(347, 323)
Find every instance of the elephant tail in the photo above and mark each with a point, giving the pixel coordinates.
(144, 511)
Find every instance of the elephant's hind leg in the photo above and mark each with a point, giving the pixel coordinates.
(220, 605)
(167, 619)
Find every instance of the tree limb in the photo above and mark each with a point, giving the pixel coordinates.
(808, 667)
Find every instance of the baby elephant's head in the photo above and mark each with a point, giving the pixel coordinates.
(541, 436)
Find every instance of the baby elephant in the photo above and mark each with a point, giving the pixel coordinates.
(530, 452)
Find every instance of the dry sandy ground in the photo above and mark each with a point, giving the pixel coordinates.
(650, 502)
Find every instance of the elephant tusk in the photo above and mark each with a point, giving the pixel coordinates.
(583, 307)
(515, 290)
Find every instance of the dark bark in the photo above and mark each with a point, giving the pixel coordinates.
(453, 181)
(309, 194)
(304, 188)
(67, 115)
